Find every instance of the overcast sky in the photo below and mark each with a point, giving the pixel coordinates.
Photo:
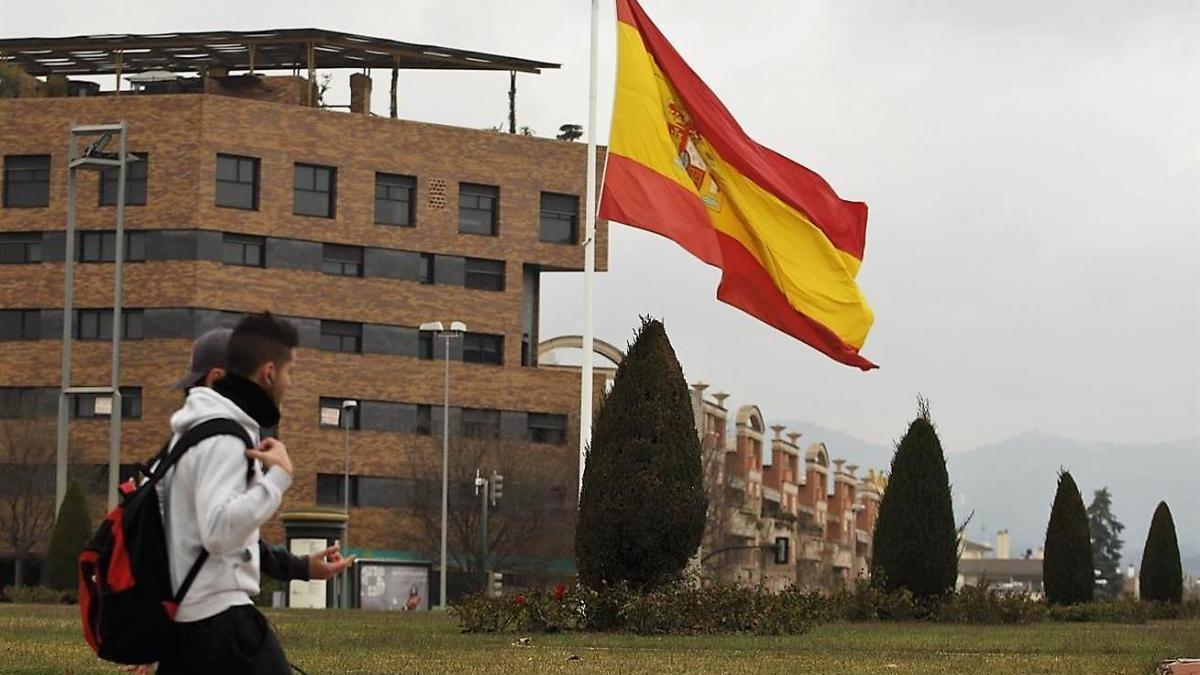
(1032, 170)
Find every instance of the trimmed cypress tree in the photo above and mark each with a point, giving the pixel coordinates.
(72, 529)
(916, 544)
(642, 510)
(1161, 577)
(1068, 572)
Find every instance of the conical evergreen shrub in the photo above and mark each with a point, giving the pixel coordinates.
(1069, 574)
(72, 529)
(642, 510)
(916, 544)
(1161, 577)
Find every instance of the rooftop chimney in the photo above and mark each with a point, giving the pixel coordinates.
(1003, 544)
(838, 464)
(778, 429)
(720, 396)
(794, 436)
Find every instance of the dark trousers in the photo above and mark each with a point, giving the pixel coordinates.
(237, 641)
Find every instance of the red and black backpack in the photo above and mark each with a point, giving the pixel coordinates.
(125, 596)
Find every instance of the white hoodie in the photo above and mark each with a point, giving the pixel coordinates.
(208, 504)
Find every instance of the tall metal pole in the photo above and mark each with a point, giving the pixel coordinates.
(589, 256)
(114, 429)
(483, 532)
(346, 508)
(60, 472)
(445, 473)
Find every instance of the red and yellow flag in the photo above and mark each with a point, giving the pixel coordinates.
(679, 165)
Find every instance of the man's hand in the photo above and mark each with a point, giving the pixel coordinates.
(272, 452)
(327, 564)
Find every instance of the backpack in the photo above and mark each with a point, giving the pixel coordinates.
(125, 597)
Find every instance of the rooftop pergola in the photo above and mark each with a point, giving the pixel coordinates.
(280, 49)
(294, 49)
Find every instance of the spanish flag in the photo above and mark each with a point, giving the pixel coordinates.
(679, 165)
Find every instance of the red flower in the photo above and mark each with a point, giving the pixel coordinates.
(520, 599)
(559, 592)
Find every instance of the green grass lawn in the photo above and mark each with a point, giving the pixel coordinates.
(45, 639)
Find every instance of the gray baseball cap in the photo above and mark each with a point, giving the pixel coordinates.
(209, 351)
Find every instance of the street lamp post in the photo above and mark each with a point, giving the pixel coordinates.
(347, 407)
(457, 328)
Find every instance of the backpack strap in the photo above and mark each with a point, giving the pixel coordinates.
(194, 436)
(191, 438)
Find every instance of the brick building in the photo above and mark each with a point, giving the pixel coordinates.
(763, 485)
(249, 196)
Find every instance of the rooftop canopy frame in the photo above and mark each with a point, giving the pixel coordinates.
(292, 49)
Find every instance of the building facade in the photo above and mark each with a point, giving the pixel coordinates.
(763, 486)
(250, 197)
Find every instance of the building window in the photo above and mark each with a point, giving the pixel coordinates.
(330, 488)
(27, 180)
(20, 324)
(242, 249)
(99, 405)
(478, 423)
(424, 424)
(559, 220)
(481, 348)
(341, 336)
(96, 324)
(427, 268)
(425, 345)
(547, 428)
(330, 410)
(484, 274)
(394, 198)
(20, 247)
(478, 208)
(345, 261)
(237, 182)
(102, 247)
(135, 182)
(313, 190)
(27, 402)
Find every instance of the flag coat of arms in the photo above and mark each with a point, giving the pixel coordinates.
(679, 165)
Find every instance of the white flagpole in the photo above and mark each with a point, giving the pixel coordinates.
(589, 256)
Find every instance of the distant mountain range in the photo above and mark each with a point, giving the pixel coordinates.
(1010, 484)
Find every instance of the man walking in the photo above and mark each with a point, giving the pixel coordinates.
(214, 502)
(209, 363)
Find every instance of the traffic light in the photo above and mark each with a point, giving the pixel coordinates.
(782, 548)
(497, 487)
(497, 584)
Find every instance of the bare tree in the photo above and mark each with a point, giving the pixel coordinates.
(27, 457)
(533, 520)
(723, 502)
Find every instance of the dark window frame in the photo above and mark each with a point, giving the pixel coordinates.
(329, 193)
(20, 248)
(484, 276)
(242, 165)
(96, 324)
(554, 216)
(476, 351)
(334, 402)
(541, 432)
(388, 188)
(423, 425)
(471, 198)
(21, 177)
(136, 182)
(83, 406)
(104, 245)
(479, 423)
(428, 272)
(341, 336)
(28, 324)
(235, 246)
(342, 260)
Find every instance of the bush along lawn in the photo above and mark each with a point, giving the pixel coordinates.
(690, 608)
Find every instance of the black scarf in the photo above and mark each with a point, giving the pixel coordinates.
(251, 398)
